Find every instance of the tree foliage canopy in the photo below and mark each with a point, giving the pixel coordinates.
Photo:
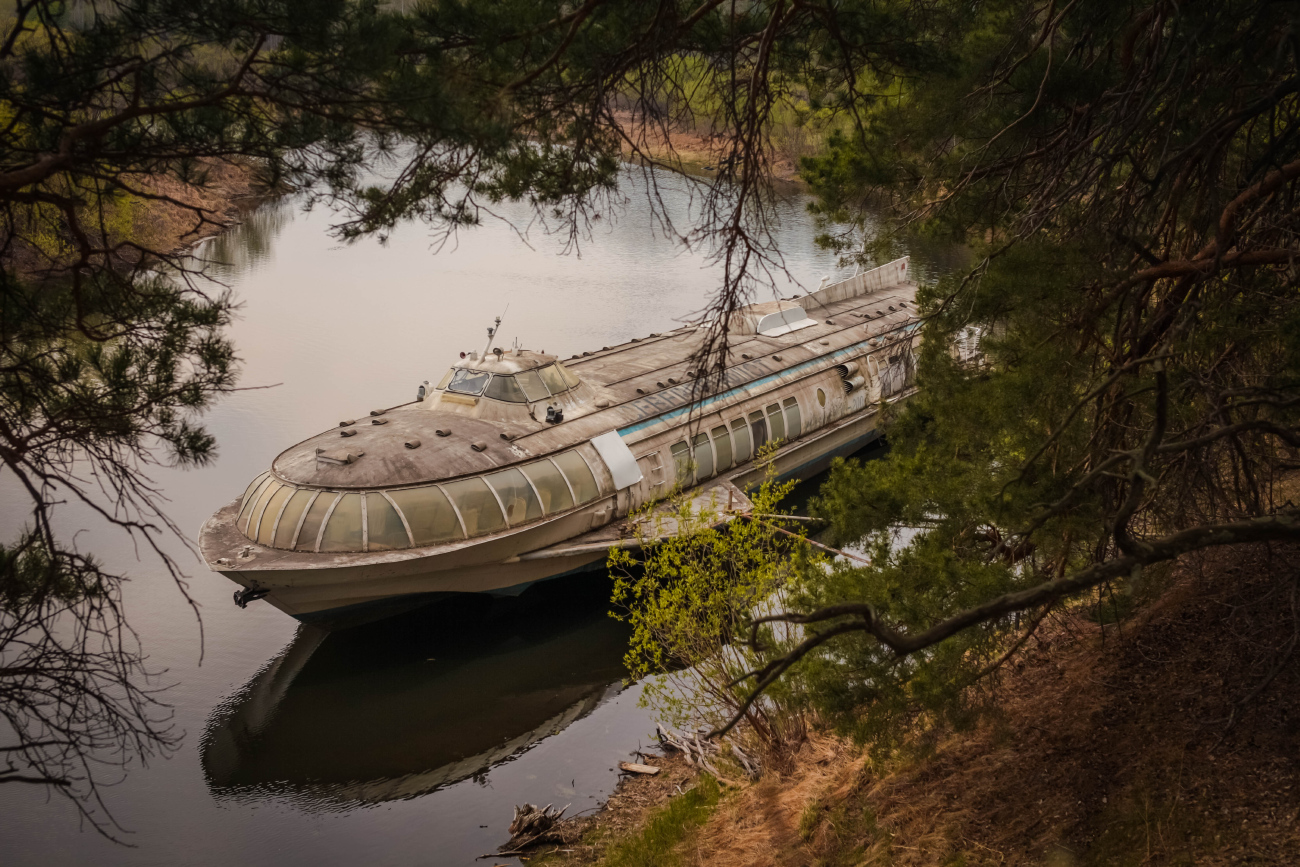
(1126, 174)
(111, 342)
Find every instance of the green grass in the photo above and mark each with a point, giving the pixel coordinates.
(668, 826)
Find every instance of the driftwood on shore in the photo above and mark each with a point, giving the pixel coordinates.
(533, 826)
(697, 751)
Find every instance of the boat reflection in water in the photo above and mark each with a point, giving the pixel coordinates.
(400, 708)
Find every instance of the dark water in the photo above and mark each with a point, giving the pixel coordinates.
(408, 741)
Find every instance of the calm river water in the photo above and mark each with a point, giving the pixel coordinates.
(406, 742)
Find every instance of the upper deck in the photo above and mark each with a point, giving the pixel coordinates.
(634, 388)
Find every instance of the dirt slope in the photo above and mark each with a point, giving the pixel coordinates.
(1114, 749)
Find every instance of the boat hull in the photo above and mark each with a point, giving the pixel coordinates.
(347, 595)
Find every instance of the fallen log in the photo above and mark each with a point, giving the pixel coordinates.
(634, 768)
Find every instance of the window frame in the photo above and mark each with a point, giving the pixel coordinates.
(779, 414)
(786, 404)
(554, 367)
(678, 480)
(311, 501)
(325, 521)
(275, 525)
(731, 446)
(410, 537)
(514, 382)
(519, 380)
(260, 508)
(460, 519)
(733, 426)
(713, 458)
(487, 377)
(573, 499)
(754, 443)
(510, 525)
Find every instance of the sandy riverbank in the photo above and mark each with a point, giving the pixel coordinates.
(694, 151)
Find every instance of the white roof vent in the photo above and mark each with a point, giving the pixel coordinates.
(772, 318)
(784, 321)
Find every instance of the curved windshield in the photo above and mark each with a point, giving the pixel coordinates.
(553, 379)
(569, 376)
(532, 385)
(468, 381)
(505, 388)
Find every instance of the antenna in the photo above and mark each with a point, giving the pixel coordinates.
(493, 329)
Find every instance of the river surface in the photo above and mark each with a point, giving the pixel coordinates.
(406, 742)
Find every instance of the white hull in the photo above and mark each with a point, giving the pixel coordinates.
(507, 564)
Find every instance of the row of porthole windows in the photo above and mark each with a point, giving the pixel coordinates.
(283, 516)
(710, 453)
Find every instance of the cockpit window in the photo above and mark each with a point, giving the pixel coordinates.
(532, 385)
(468, 381)
(569, 376)
(553, 379)
(505, 388)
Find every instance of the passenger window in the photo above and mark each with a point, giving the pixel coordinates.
(740, 434)
(682, 459)
(254, 485)
(550, 486)
(722, 447)
(553, 379)
(478, 508)
(259, 508)
(703, 456)
(776, 421)
(505, 388)
(343, 532)
(266, 535)
(250, 499)
(468, 381)
(759, 429)
(385, 531)
(289, 520)
(431, 517)
(575, 469)
(532, 385)
(517, 496)
(793, 424)
(311, 524)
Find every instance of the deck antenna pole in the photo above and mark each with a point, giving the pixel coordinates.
(492, 331)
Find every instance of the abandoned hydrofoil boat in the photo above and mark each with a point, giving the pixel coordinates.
(518, 466)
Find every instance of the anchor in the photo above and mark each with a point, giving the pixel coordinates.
(249, 594)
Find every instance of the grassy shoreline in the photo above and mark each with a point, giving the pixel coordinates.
(1109, 746)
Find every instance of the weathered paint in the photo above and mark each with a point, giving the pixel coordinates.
(642, 389)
